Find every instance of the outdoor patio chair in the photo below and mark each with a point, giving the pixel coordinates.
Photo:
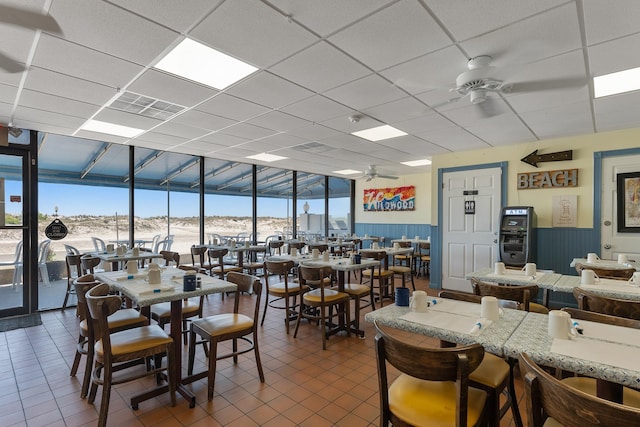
(17, 265)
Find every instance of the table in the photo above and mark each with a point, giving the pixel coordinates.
(128, 256)
(389, 251)
(545, 280)
(607, 287)
(240, 250)
(170, 289)
(606, 352)
(606, 263)
(451, 321)
(340, 265)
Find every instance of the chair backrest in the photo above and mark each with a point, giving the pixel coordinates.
(549, 397)
(315, 277)
(608, 273)
(197, 255)
(590, 301)
(277, 268)
(297, 245)
(426, 363)
(18, 253)
(591, 316)
(98, 244)
(101, 305)
(522, 294)
(246, 284)
(373, 254)
(82, 284)
(43, 251)
(275, 246)
(71, 249)
(73, 262)
(404, 244)
(216, 258)
(163, 245)
(89, 263)
(460, 296)
(170, 257)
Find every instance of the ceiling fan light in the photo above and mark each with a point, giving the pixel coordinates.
(478, 96)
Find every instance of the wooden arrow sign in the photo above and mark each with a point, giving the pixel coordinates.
(534, 158)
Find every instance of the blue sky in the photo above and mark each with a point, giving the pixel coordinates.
(83, 199)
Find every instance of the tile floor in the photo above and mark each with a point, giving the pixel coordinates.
(304, 385)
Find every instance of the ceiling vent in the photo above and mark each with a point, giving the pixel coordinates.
(312, 147)
(146, 106)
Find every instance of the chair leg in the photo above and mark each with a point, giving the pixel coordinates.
(257, 355)
(266, 304)
(211, 379)
(86, 381)
(76, 359)
(301, 307)
(512, 394)
(192, 352)
(106, 395)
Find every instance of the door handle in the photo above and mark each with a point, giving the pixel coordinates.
(495, 240)
(607, 246)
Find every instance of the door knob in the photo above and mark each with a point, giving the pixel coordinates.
(495, 240)
(607, 246)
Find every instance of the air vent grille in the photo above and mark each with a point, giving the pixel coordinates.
(146, 106)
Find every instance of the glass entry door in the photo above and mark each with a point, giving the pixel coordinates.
(14, 232)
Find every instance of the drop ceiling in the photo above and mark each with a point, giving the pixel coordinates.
(321, 62)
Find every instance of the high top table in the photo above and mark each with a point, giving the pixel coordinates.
(115, 259)
(136, 288)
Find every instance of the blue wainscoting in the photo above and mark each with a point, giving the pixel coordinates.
(556, 247)
(394, 231)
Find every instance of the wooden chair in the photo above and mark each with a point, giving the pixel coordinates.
(74, 270)
(198, 256)
(433, 387)
(89, 263)
(550, 402)
(588, 385)
(297, 245)
(424, 250)
(405, 267)
(607, 273)
(170, 258)
(590, 301)
(216, 262)
(494, 375)
(274, 247)
(522, 294)
(378, 277)
(120, 350)
(315, 302)
(118, 321)
(229, 326)
(284, 291)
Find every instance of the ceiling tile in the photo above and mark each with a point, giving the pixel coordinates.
(617, 111)
(283, 140)
(328, 16)
(320, 67)
(112, 30)
(40, 100)
(179, 130)
(366, 93)
(202, 120)
(541, 36)
(269, 90)
(68, 87)
(223, 139)
(401, 109)
(245, 130)
(231, 107)
(605, 22)
(400, 32)
(453, 139)
(576, 120)
(426, 122)
(82, 62)
(48, 117)
(314, 132)
(317, 109)
(167, 87)
(252, 32)
(607, 58)
(171, 14)
(278, 121)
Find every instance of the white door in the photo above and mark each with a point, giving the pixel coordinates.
(614, 242)
(469, 239)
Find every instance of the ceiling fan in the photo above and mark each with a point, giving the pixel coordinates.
(479, 81)
(372, 172)
(26, 19)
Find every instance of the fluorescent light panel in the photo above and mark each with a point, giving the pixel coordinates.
(413, 163)
(619, 82)
(347, 172)
(200, 63)
(379, 133)
(266, 157)
(111, 128)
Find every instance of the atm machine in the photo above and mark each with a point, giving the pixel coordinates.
(517, 235)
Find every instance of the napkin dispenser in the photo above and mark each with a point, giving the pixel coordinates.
(189, 281)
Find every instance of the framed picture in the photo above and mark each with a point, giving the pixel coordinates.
(628, 202)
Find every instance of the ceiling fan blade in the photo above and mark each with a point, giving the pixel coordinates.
(9, 64)
(388, 176)
(369, 178)
(29, 19)
(548, 84)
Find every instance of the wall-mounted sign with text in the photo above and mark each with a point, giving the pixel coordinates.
(548, 179)
(389, 199)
